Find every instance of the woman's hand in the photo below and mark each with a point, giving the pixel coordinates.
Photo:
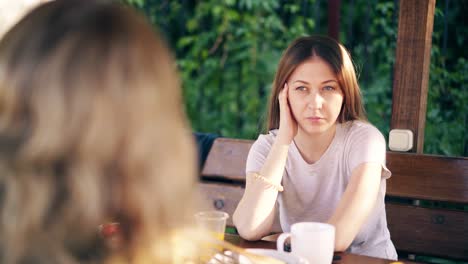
(288, 124)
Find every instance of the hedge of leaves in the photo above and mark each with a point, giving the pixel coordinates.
(227, 52)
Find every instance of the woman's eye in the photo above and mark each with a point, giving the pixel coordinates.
(301, 88)
(329, 88)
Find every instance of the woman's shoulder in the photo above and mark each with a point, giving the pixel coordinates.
(266, 139)
(356, 128)
(263, 143)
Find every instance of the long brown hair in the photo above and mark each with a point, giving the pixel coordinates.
(337, 57)
(92, 129)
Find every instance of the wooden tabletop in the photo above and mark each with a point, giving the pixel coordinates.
(342, 257)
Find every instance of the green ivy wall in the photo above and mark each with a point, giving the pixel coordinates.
(227, 52)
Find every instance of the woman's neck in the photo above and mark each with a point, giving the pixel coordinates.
(312, 147)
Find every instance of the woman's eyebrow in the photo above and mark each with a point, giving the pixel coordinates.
(301, 81)
(327, 81)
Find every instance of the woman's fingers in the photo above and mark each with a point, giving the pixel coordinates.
(283, 97)
(287, 123)
(286, 90)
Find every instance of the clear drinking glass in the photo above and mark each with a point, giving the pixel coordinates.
(212, 221)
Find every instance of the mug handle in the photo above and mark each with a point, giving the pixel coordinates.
(280, 241)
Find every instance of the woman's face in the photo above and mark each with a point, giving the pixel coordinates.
(315, 96)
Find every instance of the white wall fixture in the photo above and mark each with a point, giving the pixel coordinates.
(400, 140)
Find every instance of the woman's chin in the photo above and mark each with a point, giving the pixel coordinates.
(316, 129)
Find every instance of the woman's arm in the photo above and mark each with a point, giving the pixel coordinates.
(255, 213)
(357, 203)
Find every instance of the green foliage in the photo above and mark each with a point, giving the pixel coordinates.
(372, 45)
(227, 52)
(230, 55)
(447, 109)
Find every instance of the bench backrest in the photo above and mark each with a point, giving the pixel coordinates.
(414, 192)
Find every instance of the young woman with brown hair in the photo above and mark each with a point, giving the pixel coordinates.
(321, 160)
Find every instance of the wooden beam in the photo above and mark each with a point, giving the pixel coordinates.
(334, 7)
(428, 177)
(227, 159)
(415, 25)
(438, 232)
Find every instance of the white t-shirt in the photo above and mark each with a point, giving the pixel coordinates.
(313, 191)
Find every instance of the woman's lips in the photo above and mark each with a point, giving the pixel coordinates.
(314, 118)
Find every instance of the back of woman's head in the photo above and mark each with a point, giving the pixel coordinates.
(91, 129)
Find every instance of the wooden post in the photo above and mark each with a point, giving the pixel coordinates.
(334, 19)
(411, 72)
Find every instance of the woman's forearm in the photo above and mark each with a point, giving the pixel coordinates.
(274, 165)
(255, 213)
(356, 204)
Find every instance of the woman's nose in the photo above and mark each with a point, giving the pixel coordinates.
(315, 100)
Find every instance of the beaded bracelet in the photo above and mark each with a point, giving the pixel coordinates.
(277, 187)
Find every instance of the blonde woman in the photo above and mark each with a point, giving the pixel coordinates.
(92, 129)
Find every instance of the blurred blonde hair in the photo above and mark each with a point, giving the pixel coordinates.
(92, 129)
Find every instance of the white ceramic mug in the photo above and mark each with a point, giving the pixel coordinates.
(311, 240)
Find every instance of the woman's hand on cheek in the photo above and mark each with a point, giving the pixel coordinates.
(288, 125)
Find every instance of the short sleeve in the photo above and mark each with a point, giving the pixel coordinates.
(258, 153)
(367, 144)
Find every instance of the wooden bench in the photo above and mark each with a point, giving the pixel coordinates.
(427, 197)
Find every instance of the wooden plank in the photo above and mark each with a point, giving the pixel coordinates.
(428, 231)
(346, 257)
(223, 197)
(226, 197)
(227, 158)
(428, 177)
(413, 52)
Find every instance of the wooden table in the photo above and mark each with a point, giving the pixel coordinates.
(345, 258)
